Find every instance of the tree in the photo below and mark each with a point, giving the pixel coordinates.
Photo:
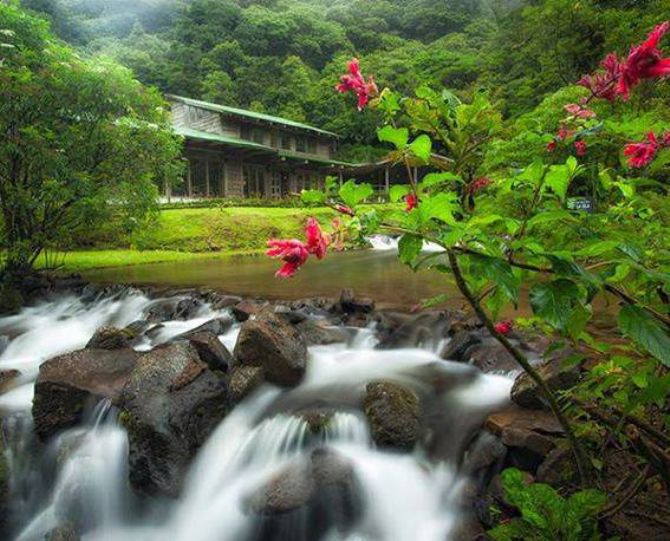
(82, 141)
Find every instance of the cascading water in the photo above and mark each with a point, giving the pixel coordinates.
(385, 242)
(82, 477)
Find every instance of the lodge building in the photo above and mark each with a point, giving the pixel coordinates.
(237, 153)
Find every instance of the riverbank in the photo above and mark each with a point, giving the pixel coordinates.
(187, 234)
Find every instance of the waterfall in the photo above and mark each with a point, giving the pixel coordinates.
(388, 243)
(83, 474)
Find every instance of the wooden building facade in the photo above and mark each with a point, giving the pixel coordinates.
(237, 153)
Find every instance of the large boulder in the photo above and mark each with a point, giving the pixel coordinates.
(459, 344)
(243, 380)
(275, 345)
(210, 350)
(171, 403)
(393, 412)
(527, 394)
(111, 338)
(70, 384)
(320, 493)
(244, 309)
(530, 435)
(320, 332)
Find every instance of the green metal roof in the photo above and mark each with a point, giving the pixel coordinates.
(250, 114)
(312, 158)
(198, 135)
(218, 138)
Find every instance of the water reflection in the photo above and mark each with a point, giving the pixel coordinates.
(376, 274)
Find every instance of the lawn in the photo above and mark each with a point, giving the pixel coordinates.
(195, 233)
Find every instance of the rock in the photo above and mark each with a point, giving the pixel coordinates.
(62, 533)
(245, 309)
(243, 380)
(350, 304)
(532, 433)
(490, 356)
(180, 308)
(287, 491)
(317, 419)
(170, 405)
(320, 333)
(275, 345)
(69, 384)
(401, 330)
(210, 350)
(8, 379)
(217, 326)
(137, 327)
(559, 468)
(11, 299)
(458, 346)
(221, 302)
(393, 413)
(527, 394)
(304, 482)
(484, 451)
(110, 338)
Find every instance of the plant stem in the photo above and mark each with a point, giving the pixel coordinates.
(524, 363)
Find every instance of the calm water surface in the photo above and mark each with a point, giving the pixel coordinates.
(376, 274)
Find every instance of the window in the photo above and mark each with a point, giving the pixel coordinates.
(254, 180)
(258, 135)
(301, 144)
(251, 133)
(311, 145)
(274, 139)
(286, 141)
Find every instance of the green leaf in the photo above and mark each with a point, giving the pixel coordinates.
(312, 196)
(440, 207)
(558, 179)
(352, 194)
(550, 216)
(398, 191)
(433, 179)
(409, 248)
(396, 136)
(598, 248)
(555, 302)
(499, 272)
(422, 147)
(646, 331)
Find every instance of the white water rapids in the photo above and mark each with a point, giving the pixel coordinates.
(84, 471)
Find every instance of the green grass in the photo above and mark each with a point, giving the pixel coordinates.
(95, 259)
(195, 233)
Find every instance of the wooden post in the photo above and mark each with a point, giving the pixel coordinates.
(206, 177)
(224, 180)
(340, 176)
(189, 184)
(387, 179)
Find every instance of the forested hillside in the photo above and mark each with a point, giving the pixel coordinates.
(284, 56)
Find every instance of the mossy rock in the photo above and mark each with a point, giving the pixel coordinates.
(393, 412)
(11, 299)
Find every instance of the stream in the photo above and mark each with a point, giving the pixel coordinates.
(80, 476)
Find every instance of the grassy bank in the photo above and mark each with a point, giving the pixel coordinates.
(193, 233)
(81, 260)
